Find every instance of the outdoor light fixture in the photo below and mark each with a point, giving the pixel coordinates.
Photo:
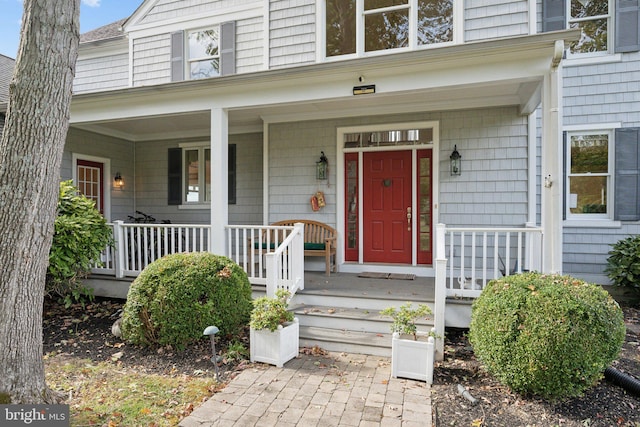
(211, 331)
(456, 161)
(321, 167)
(118, 182)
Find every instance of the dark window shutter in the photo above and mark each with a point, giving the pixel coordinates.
(627, 185)
(232, 174)
(227, 48)
(627, 26)
(554, 15)
(564, 174)
(177, 56)
(175, 176)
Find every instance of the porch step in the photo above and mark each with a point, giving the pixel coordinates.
(346, 341)
(353, 319)
(342, 329)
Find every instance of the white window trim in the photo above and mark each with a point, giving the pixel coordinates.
(594, 57)
(187, 57)
(592, 220)
(202, 203)
(321, 41)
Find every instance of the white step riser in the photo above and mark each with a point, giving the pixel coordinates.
(335, 346)
(360, 325)
(349, 302)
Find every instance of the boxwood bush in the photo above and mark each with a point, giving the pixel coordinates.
(623, 263)
(176, 297)
(547, 335)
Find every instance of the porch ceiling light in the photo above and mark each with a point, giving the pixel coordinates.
(321, 167)
(118, 182)
(456, 161)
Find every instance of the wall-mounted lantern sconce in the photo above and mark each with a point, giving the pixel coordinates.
(321, 166)
(118, 182)
(456, 161)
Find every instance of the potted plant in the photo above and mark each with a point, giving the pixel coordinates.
(412, 351)
(274, 332)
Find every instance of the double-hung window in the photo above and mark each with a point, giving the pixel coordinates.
(365, 26)
(590, 163)
(593, 18)
(204, 53)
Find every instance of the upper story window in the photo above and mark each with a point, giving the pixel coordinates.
(593, 18)
(607, 26)
(590, 166)
(204, 53)
(364, 26)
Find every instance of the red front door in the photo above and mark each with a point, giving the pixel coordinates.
(386, 203)
(90, 181)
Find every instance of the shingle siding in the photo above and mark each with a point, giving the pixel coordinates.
(152, 60)
(488, 19)
(175, 9)
(102, 73)
(492, 190)
(292, 33)
(151, 182)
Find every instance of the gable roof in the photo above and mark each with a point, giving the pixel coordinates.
(6, 71)
(106, 32)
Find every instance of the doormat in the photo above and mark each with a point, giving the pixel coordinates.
(393, 276)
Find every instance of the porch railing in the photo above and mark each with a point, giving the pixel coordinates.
(271, 255)
(466, 259)
(478, 255)
(138, 245)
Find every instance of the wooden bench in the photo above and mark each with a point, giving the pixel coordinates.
(319, 240)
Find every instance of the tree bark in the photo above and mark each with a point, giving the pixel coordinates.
(31, 149)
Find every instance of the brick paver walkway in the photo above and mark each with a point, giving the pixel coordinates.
(336, 389)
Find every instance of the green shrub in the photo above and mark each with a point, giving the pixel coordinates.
(176, 297)
(548, 335)
(81, 234)
(269, 313)
(623, 264)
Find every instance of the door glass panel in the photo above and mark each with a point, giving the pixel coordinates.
(424, 204)
(351, 178)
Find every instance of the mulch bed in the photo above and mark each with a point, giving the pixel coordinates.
(604, 405)
(86, 332)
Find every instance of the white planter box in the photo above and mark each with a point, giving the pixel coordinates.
(277, 347)
(412, 359)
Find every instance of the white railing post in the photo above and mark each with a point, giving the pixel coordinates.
(440, 296)
(118, 238)
(297, 246)
(271, 274)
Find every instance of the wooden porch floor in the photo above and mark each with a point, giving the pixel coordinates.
(420, 289)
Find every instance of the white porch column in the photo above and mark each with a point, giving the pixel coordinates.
(552, 174)
(219, 179)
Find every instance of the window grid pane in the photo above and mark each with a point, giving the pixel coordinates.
(192, 190)
(589, 174)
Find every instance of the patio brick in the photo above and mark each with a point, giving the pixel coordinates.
(353, 390)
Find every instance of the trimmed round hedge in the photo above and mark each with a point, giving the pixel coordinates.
(547, 335)
(176, 297)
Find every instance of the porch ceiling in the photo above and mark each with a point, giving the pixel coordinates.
(518, 92)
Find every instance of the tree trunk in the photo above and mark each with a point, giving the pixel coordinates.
(30, 155)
